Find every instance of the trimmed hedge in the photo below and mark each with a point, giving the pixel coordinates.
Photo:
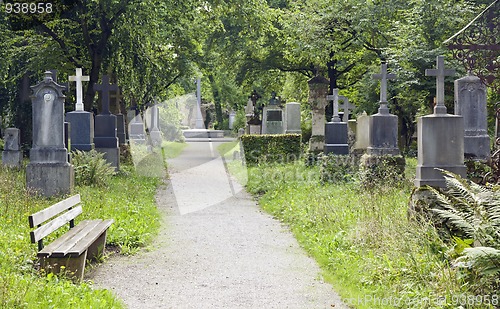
(279, 148)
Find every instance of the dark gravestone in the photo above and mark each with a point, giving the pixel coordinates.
(105, 138)
(120, 118)
(274, 115)
(335, 130)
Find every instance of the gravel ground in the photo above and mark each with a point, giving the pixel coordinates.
(216, 249)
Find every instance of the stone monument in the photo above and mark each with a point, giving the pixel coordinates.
(470, 103)
(11, 154)
(105, 138)
(155, 133)
(82, 122)
(362, 133)
(136, 130)
(49, 172)
(335, 130)
(318, 90)
(232, 118)
(292, 118)
(120, 118)
(440, 137)
(383, 132)
(272, 117)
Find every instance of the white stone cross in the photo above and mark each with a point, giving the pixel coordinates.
(79, 78)
(346, 106)
(335, 97)
(383, 76)
(440, 74)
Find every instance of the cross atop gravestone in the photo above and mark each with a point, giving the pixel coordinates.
(105, 88)
(346, 106)
(383, 76)
(79, 78)
(335, 97)
(440, 74)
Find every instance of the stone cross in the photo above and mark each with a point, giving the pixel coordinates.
(383, 76)
(105, 88)
(346, 106)
(440, 74)
(335, 98)
(118, 98)
(79, 78)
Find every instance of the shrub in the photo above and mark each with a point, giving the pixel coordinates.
(1, 144)
(279, 148)
(337, 168)
(381, 170)
(91, 169)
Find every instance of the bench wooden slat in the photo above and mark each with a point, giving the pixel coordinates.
(43, 215)
(90, 238)
(47, 251)
(53, 225)
(64, 248)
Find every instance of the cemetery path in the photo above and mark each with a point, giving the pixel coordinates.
(216, 249)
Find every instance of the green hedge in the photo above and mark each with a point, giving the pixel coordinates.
(279, 148)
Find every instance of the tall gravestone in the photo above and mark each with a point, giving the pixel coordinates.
(470, 103)
(105, 138)
(383, 132)
(49, 172)
(272, 117)
(82, 122)
(440, 137)
(336, 130)
(292, 118)
(362, 133)
(232, 118)
(318, 90)
(120, 118)
(11, 154)
(155, 133)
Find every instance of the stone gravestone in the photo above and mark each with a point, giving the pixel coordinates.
(272, 117)
(11, 154)
(470, 103)
(155, 133)
(82, 122)
(335, 130)
(136, 130)
(440, 137)
(383, 132)
(362, 133)
(105, 138)
(232, 118)
(49, 172)
(120, 118)
(318, 90)
(292, 118)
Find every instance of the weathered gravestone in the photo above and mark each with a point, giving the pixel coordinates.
(105, 138)
(120, 118)
(335, 130)
(292, 118)
(82, 122)
(318, 90)
(136, 130)
(272, 117)
(11, 154)
(440, 137)
(154, 131)
(383, 132)
(362, 133)
(49, 172)
(470, 103)
(232, 118)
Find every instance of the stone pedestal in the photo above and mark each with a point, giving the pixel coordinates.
(82, 130)
(50, 179)
(254, 129)
(12, 155)
(272, 120)
(156, 137)
(136, 130)
(470, 103)
(440, 145)
(383, 134)
(336, 138)
(292, 118)
(120, 129)
(105, 139)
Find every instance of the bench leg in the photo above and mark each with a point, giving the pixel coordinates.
(73, 266)
(96, 250)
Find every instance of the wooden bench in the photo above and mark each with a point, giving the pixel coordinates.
(83, 242)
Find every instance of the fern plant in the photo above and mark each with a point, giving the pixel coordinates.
(91, 169)
(472, 211)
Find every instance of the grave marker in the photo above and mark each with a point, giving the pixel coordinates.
(336, 131)
(11, 154)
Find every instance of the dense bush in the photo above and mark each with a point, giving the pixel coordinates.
(381, 170)
(337, 168)
(279, 148)
(91, 169)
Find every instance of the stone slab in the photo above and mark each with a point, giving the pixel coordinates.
(49, 179)
(292, 118)
(12, 139)
(383, 134)
(82, 130)
(120, 129)
(112, 156)
(12, 158)
(336, 138)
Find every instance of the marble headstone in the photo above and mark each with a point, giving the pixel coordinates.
(292, 118)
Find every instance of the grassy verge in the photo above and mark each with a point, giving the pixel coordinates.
(129, 200)
(375, 256)
(172, 149)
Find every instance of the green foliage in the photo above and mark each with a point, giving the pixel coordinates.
(279, 148)
(91, 169)
(1, 144)
(378, 171)
(337, 168)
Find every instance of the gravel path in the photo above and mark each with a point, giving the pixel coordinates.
(215, 250)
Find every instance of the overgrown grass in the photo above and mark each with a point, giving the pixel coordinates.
(128, 199)
(172, 149)
(375, 256)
